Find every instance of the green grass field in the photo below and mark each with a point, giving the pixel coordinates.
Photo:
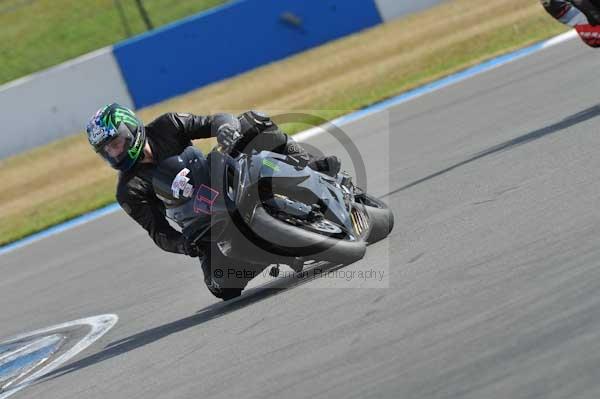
(67, 179)
(37, 34)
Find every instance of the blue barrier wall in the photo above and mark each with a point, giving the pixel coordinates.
(232, 39)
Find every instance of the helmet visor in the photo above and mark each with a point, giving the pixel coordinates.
(116, 150)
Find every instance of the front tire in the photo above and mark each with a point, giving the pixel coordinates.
(288, 240)
(381, 218)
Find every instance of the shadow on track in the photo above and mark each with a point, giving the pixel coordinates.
(249, 297)
(569, 121)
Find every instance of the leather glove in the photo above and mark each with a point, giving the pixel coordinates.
(228, 136)
(188, 248)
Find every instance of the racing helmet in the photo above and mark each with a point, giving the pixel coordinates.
(117, 135)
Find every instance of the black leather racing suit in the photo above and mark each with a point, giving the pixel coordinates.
(574, 12)
(169, 135)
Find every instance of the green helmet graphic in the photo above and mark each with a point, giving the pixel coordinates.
(117, 135)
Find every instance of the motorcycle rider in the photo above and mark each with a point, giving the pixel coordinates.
(583, 15)
(135, 149)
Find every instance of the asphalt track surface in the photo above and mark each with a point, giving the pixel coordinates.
(493, 266)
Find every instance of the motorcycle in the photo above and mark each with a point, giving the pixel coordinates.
(263, 208)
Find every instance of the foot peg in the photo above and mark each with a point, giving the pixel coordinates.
(297, 265)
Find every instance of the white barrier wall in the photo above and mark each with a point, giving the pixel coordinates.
(57, 102)
(390, 9)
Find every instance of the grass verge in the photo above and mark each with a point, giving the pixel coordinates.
(37, 34)
(65, 179)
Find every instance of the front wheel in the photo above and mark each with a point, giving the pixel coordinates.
(381, 218)
(316, 244)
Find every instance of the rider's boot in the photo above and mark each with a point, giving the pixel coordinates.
(217, 290)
